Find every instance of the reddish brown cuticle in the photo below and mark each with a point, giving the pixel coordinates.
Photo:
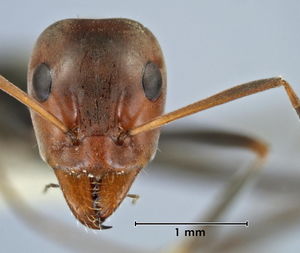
(96, 70)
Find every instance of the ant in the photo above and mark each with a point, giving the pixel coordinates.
(96, 94)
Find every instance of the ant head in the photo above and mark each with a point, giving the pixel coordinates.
(101, 78)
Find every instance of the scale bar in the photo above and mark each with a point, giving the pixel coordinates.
(244, 224)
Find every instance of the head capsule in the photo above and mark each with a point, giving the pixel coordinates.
(100, 78)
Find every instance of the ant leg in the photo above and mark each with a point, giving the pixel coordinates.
(223, 97)
(264, 229)
(134, 198)
(233, 187)
(51, 185)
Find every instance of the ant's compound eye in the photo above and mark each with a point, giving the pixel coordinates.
(152, 81)
(41, 82)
